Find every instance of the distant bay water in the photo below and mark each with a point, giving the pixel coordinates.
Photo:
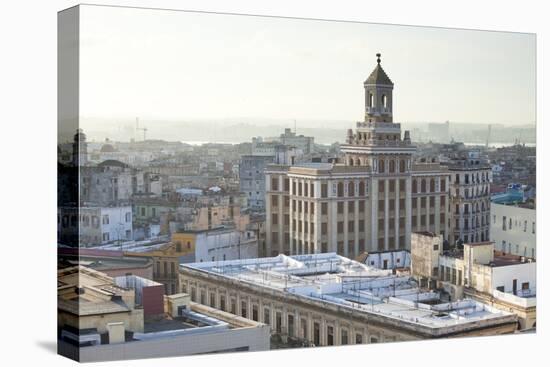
(493, 145)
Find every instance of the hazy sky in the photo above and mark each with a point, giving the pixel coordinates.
(176, 65)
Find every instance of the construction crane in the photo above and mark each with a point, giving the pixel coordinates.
(144, 129)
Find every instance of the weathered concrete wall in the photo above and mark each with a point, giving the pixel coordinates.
(243, 339)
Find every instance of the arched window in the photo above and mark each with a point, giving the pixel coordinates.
(371, 100)
(432, 185)
(423, 185)
(392, 166)
(384, 101)
(351, 189)
(358, 162)
(414, 186)
(340, 189)
(361, 188)
(381, 167)
(351, 161)
(442, 185)
(402, 165)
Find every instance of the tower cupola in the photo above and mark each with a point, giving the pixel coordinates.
(378, 95)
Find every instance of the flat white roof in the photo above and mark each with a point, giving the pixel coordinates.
(340, 281)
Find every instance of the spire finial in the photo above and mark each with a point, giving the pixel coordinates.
(378, 57)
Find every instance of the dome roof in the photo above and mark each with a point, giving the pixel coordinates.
(112, 163)
(108, 148)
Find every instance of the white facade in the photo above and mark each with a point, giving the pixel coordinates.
(389, 259)
(524, 276)
(225, 244)
(514, 229)
(101, 225)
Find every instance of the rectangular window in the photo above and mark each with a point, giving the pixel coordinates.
(316, 334)
(255, 313)
(290, 325)
(324, 190)
(344, 337)
(243, 309)
(324, 208)
(330, 335)
(361, 206)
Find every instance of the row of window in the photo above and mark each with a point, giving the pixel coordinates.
(472, 223)
(476, 208)
(476, 177)
(106, 237)
(87, 220)
(392, 166)
(507, 224)
(471, 193)
(289, 328)
(421, 185)
(430, 201)
(507, 248)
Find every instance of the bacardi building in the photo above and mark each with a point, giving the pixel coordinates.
(371, 201)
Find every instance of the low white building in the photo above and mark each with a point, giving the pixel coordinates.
(101, 225)
(388, 259)
(480, 272)
(513, 228)
(221, 244)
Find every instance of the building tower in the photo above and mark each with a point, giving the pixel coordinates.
(372, 200)
(377, 145)
(80, 149)
(378, 95)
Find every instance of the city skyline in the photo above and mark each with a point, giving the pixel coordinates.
(282, 69)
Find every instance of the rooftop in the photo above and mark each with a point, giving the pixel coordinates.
(337, 281)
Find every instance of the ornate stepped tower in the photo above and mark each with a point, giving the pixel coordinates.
(377, 145)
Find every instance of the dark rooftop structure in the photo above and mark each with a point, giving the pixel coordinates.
(378, 75)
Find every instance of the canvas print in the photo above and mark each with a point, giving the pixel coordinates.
(233, 183)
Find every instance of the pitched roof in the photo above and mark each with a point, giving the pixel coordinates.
(378, 76)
